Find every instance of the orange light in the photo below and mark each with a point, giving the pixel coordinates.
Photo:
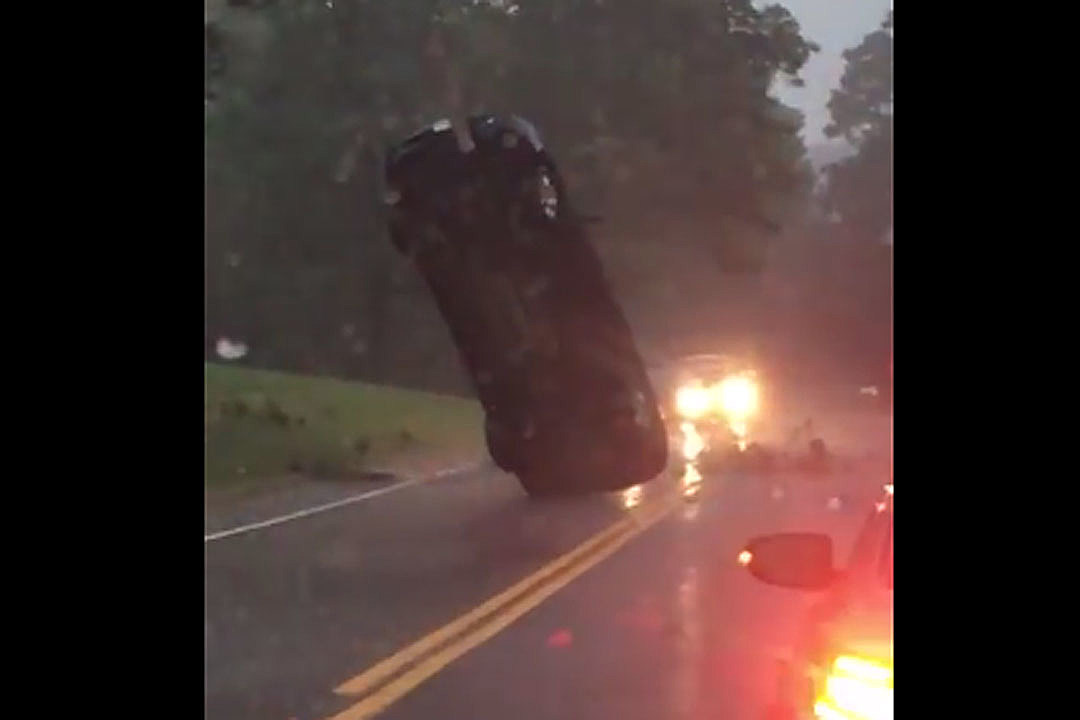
(693, 401)
(862, 669)
(693, 443)
(691, 476)
(745, 557)
(737, 397)
(857, 689)
(691, 481)
(889, 489)
(631, 497)
(880, 506)
(823, 711)
(738, 428)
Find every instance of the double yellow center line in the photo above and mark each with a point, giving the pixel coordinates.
(390, 679)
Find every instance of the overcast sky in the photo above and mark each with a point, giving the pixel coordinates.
(835, 25)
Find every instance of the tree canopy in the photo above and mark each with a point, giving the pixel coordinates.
(660, 111)
(860, 187)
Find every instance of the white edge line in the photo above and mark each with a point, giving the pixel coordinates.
(336, 504)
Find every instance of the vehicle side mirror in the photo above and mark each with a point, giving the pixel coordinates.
(792, 560)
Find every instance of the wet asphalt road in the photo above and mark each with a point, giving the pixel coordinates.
(668, 626)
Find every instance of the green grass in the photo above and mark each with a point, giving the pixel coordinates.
(262, 425)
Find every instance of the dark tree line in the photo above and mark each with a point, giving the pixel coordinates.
(659, 110)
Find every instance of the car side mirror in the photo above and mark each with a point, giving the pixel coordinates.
(792, 560)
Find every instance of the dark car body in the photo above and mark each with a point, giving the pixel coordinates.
(568, 404)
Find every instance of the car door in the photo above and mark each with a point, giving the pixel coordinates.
(847, 619)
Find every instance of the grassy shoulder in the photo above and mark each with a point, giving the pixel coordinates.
(262, 425)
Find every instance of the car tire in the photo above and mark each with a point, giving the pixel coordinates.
(500, 446)
(539, 485)
(540, 478)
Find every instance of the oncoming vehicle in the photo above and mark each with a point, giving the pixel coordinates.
(842, 662)
(568, 404)
(716, 398)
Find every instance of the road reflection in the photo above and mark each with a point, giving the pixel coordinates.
(690, 648)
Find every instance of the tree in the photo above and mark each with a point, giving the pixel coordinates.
(666, 103)
(859, 189)
(662, 107)
(306, 81)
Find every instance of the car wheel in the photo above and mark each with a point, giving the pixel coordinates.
(540, 485)
(500, 445)
(540, 477)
